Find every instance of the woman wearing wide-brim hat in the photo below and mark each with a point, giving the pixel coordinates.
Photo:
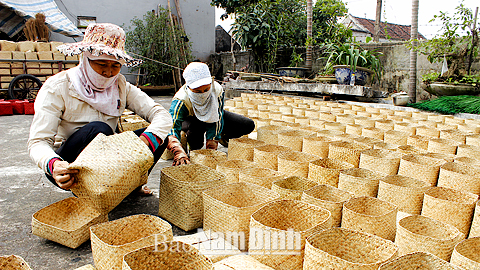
(75, 105)
(197, 110)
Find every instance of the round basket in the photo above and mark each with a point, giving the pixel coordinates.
(467, 254)
(327, 116)
(473, 139)
(310, 128)
(275, 115)
(454, 135)
(261, 122)
(404, 192)
(428, 131)
(337, 110)
(303, 120)
(347, 151)
(345, 119)
(475, 228)
(467, 161)
(329, 133)
(396, 118)
(370, 215)
(436, 117)
(264, 114)
(252, 113)
(382, 161)
(373, 132)
(260, 176)
(207, 157)
(418, 260)
(13, 262)
(418, 141)
(317, 145)
(329, 198)
(451, 206)
(365, 114)
(420, 167)
(474, 128)
(446, 157)
(285, 109)
(327, 170)
(460, 177)
(395, 137)
(312, 113)
(315, 122)
(335, 126)
(409, 149)
(242, 148)
(167, 255)
(405, 127)
(340, 248)
(275, 225)
(299, 111)
(227, 210)
(359, 181)
(353, 129)
(269, 134)
(384, 124)
(293, 138)
(345, 137)
(452, 120)
(289, 118)
(366, 141)
(266, 155)
(385, 146)
(364, 121)
(466, 150)
(112, 240)
(291, 188)
(445, 146)
(443, 126)
(232, 168)
(419, 233)
(295, 163)
(351, 112)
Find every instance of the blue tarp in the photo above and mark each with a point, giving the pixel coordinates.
(14, 13)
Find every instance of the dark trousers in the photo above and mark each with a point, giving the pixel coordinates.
(234, 126)
(75, 144)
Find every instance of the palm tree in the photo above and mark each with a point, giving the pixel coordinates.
(412, 86)
(308, 60)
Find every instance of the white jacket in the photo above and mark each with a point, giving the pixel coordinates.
(59, 112)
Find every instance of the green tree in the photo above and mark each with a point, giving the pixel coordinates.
(155, 38)
(325, 22)
(232, 6)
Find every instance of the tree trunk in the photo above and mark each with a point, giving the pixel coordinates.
(308, 60)
(376, 34)
(412, 88)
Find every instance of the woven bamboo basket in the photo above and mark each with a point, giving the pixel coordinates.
(293, 138)
(350, 112)
(340, 248)
(345, 137)
(446, 146)
(275, 115)
(239, 262)
(327, 170)
(335, 126)
(300, 111)
(285, 109)
(428, 123)
(295, 163)
(409, 149)
(419, 233)
(291, 188)
(264, 114)
(329, 133)
(403, 113)
(382, 161)
(13, 262)
(337, 110)
(460, 177)
(353, 129)
(303, 120)
(260, 176)
(289, 118)
(269, 134)
(384, 124)
(395, 137)
(67, 222)
(443, 126)
(364, 121)
(329, 198)
(112, 240)
(372, 109)
(207, 157)
(452, 120)
(181, 187)
(310, 129)
(312, 113)
(472, 121)
(278, 231)
(466, 150)
(373, 132)
(418, 141)
(467, 161)
(261, 122)
(420, 167)
(295, 126)
(408, 128)
(404, 192)
(473, 139)
(475, 228)
(436, 117)
(315, 122)
(345, 119)
(345, 106)
(167, 255)
(451, 206)
(385, 146)
(266, 155)
(366, 141)
(420, 115)
(110, 168)
(396, 118)
(327, 116)
(359, 181)
(446, 157)
(370, 215)
(455, 135)
(242, 148)
(252, 113)
(347, 151)
(467, 254)
(227, 210)
(231, 169)
(365, 114)
(428, 131)
(316, 145)
(418, 260)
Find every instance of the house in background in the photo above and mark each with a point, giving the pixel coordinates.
(223, 41)
(389, 32)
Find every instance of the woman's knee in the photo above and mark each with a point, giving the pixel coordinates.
(97, 127)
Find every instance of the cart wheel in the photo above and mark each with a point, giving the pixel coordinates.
(24, 86)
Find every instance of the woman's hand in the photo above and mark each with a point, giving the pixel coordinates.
(63, 176)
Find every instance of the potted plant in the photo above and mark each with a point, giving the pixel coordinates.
(353, 65)
(293, 70)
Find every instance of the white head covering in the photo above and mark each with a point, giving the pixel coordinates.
(95, 89)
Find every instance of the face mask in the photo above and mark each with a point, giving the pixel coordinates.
(98, 81)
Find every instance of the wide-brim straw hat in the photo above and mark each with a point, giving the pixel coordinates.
(101, 38)
(242, 148)
(467, 254)
(359, 181)
(112, 240)
(285, 217)
(227, 209)
(404, 192)
(370, 215)
(291, 188)
(420, 167)
(475, 227)
(382, 161)
(13, 262)
(330, 198)
(167, 255)
(418, 260)
(240, 262)
(451, 206)
(207, 157)
(180, 198)
(459, 176)
(232, 167)
(327, 170)
(340, 248)
(67, 222)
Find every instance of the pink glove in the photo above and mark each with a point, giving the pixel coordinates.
(211, 144)
(179, 155)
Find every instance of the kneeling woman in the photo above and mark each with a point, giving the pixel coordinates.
(197, 109)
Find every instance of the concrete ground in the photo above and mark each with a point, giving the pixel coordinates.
(27, 190)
